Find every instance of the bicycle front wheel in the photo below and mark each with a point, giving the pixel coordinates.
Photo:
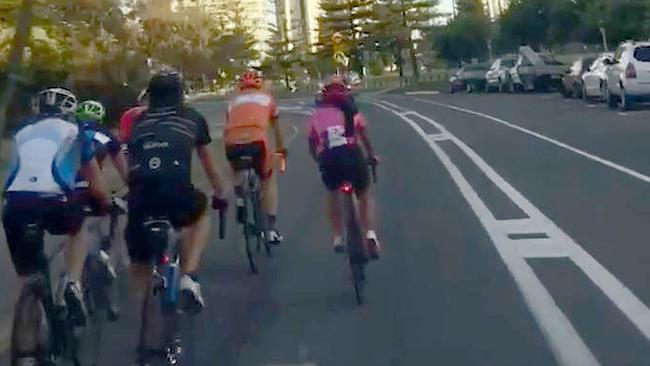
(31, 331)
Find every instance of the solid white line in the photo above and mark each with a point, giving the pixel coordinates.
(624, 299)
(563, 145)
(566, 344)
(424, 92)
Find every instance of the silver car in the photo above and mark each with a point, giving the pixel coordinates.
(594, 79)
(497, 76)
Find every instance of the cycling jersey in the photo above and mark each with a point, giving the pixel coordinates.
(161, 145)
(327, 128)
(248, 117)
(103, 140)
(126, 122)
(48, 153)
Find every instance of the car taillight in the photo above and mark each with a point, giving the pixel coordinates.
(630, 71)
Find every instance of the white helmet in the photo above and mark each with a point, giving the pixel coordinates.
(59, 98)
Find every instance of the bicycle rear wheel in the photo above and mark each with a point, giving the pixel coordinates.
(356, 250)
(30, 337)
(250, 231)
(259, 223)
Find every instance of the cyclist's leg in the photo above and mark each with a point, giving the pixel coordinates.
(233, 153)
(332, 176)
(27, 255)
(269, 192)
(358, 174)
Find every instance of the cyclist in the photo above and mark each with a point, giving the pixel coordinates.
(247, 121)
(90, 116)
(127, 119)
(335, 128)
(49, 151)
(160, 161)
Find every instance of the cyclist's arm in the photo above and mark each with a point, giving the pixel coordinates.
(120, 164)
(91, 173)
(210, 167)
(279, 139)
(362, 131)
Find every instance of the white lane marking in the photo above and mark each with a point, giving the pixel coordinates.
(289, 108)
(622, 114)
(566, 344)
(598, 159)
(591, 106)
(423, 92)
(624, 299)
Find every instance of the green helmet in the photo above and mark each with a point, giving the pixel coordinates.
(91, 110)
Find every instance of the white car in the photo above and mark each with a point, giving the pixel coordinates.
(497, 76)
(628, 78)
(594, 79)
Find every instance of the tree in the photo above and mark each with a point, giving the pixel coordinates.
(466, 36)
(283, 55)
(400, 20)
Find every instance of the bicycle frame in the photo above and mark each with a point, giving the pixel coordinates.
(253, 223)
(158, 337)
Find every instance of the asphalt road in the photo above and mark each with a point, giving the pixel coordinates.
(514, 230)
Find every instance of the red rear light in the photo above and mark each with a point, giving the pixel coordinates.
(164, 260)
(346, 188)
(630, 71)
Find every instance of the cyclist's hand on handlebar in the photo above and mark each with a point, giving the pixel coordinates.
(219, 203)
(283, 151)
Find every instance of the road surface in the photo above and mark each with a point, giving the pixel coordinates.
(514, 230)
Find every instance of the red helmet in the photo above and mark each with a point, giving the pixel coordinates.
(335, 90)
(251, 79)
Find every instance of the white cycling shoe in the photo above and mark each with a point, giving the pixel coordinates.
(274, 237)
(191, 292)
(339, 247)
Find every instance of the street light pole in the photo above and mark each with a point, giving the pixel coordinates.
(603, 34)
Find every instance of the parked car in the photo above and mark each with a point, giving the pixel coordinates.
(470, 77)
(594, 79)
(628, 78)
(535, 71)
(496, 76)
(572, 79)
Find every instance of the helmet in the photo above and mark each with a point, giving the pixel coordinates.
(166, 89)
(334, 90)
(251, 79)
(55, 100)
(91, 110)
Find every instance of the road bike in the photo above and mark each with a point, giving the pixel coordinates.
(160, 342)
(356, 248)
(43, 333)
(99, 280)
(252, 218)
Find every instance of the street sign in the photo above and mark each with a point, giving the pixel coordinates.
(341, 58)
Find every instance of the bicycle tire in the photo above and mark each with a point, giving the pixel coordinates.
(249, 230)
(31, 329)
(356, 250)
(259, 223)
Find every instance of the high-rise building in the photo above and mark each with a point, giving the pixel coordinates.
(494, 8)
(300, 19)
(258, 15)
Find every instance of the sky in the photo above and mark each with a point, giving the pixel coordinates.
(445, 6)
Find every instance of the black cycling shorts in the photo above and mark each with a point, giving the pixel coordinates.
(344, 164)
(257, 151)
(183, 206)
(26, 218)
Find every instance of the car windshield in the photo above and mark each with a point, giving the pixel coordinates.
(508, 62)
(549, 60)
(642, 54)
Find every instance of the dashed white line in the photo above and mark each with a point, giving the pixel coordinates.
(598, 159)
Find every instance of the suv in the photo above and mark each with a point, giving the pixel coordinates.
(496, 76)
(628, 78)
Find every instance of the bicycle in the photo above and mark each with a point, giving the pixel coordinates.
(43, 333)
(99, 278)
(159, 334)
(252, 220)
(356, 249)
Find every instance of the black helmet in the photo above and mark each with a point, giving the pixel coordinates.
(166, 89)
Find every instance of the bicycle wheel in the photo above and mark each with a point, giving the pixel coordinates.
(97, 302)
(356, 250)
(30, 336)
(249, 226)
(153, 325)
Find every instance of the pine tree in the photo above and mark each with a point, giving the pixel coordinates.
(284, 54)
(396, 22)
